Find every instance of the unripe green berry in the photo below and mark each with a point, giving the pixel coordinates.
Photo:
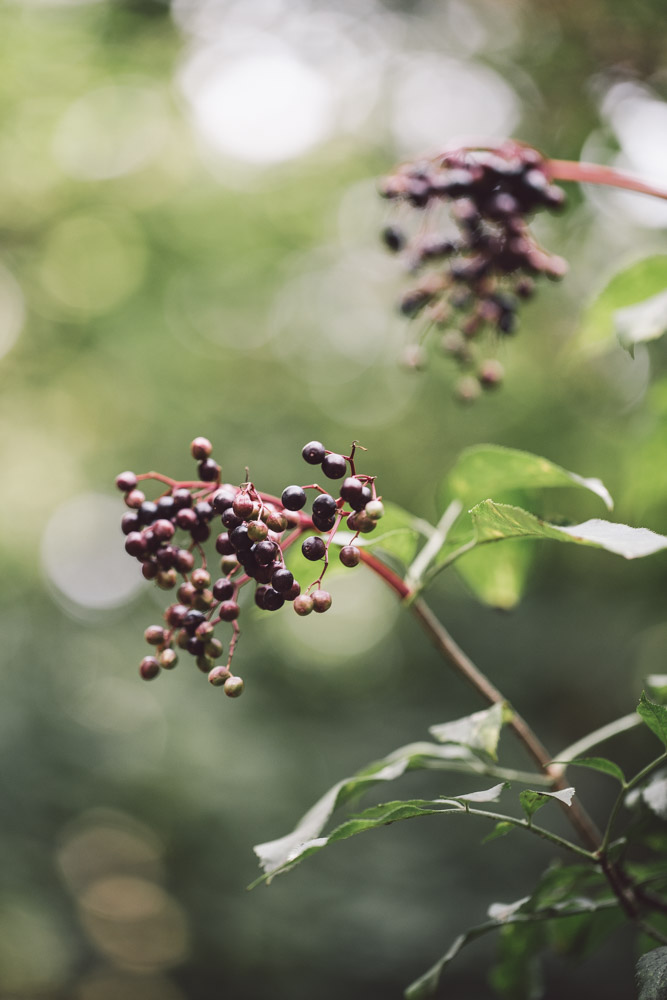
(154, 635)
(257, 531)
(203, 662)
(168, 659)
(374, 509)
(200, 579)
(303, 605)
(233, 687)
(166, 579)
(228, 564)
(213, 649)
(218, 675)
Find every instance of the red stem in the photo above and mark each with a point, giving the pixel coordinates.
(594, 173)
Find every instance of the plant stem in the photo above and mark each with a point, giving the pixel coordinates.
(464, 666)
(594, 173)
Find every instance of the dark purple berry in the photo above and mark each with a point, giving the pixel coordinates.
(186, 593)
(166, 557)
(323, 523)
(350, 555)
(293, 592)
(229, 611)
(282, 580)
(135, 544)
(175, 614)
(182, 498)
(351, 489)
(195, 646)
(200, 532)
(324, 505)
(223, 589)
(149, 570)
(149, 668)
(135, 498)
(313, 452)
(126, 481)
(273, 600)
(192, 619)
(208, 470)
(163, 529)
(243, 506)
(201, 448)
(204, 511)
(222, 500)
(293, 498)
(147, 512)
(393, 238)
(186, 518)
(184, 560)
(223, 545)
(334, 466)
(230, 520)
(240, 539)
(130, 522)
(265, 552)
(313, 548)
(166, 507)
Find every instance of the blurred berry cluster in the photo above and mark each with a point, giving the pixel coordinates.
(167, 537)
(476, 258)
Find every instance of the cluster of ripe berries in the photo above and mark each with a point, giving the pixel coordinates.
(478, 262)
(167, 536)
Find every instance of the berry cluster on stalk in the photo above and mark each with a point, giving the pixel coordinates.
(167, 537)
(477, 261)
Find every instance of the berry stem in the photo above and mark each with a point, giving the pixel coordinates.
(595, 173)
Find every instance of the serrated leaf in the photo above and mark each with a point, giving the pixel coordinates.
(531, 800)
(398, 534)
(488, 470)
(495, 522)
(596, 764)
(652, 975)
(479, 731)
(655, 717)
(644, 321)
(632, 285)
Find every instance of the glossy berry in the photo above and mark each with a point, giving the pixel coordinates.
(351, 489)
(321, 601)
(135, 544)
(191, 620)
(313, 548)
(293, 498)
(323, 523)
(163, 529)
(175, 614)
(324, 506)
(222, 500)
(243, 506)
(130, 522)
(135, 498)
(182, 498)
(350, 555)
(313, 453)
(223, 545)
(126, 481)
(201, 448)
(186, 518)
(272, 600)
(147, 512)
(223, 589)
(276, 521)
(230, 520)
(282, 580)
(208, 470)
(149, 668)
(184, 561)
(334, 466)
(229, 611)
(149, 570)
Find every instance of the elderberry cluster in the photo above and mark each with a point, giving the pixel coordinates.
(167, 536)
(474, 273)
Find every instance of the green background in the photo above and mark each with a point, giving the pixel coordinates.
(156, 290)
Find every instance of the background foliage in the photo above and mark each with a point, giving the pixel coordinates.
(188, 244)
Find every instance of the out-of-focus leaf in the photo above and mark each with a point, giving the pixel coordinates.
(632, 285)
(494, 522)
(531, 800)
(501, 829)
(489, 470)
(497, 574)
(652, 975)
(479, 731)
(596, 764)
(645, 321)
(657, 687)
(517, 975)
(655, 717)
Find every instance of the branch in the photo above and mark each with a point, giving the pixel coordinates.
(594, 173)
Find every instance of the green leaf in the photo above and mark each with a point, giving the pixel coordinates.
(479, 731)
(596, 764)
(652, 975)
(657, 687)
(495, 522)
(501, 829)
(632, 285)
(398, 534)
(275, 855)
(644, 321)
(655, 717)
(531, 800)
(517, 974)
(496, 576)
(488, 470)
